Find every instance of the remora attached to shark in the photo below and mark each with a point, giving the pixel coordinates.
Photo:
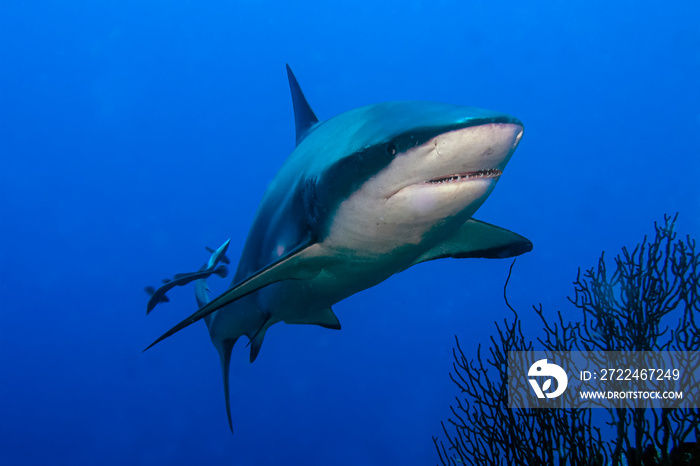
(364, 195)
(182, 279)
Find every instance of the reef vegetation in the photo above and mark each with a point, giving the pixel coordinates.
(646, 300)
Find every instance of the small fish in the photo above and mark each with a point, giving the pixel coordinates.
(201, 292)
(180, 279)
(219, 255)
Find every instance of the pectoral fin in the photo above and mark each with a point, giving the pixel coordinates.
(476, 239)
(256, 342)
(303, 263)
(325, 318)
(328, 319)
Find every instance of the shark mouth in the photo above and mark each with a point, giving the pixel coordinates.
(490, 173)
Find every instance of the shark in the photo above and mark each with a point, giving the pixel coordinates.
(364, 195)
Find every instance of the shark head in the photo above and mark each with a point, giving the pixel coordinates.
(424, 170)
(381, 178)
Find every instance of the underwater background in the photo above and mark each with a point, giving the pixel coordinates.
(134, 134)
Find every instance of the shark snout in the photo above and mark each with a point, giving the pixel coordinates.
(476, 151)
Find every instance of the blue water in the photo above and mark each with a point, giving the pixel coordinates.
(133, 134)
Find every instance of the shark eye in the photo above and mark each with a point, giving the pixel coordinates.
(391, 149)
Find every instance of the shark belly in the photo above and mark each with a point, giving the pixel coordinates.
(305, 301)
(301, 301)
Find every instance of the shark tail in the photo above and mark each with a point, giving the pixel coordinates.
(225, 355)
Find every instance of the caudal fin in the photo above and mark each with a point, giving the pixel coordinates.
(222, 257)
(156, 298)
(221, 271)
(225, 355)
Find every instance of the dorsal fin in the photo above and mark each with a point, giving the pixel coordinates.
(304, 117)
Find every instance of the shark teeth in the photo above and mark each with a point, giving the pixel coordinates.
(490, 173)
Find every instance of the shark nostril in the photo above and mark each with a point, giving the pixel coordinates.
(517, 138)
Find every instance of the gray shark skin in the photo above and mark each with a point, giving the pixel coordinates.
(364, 195)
